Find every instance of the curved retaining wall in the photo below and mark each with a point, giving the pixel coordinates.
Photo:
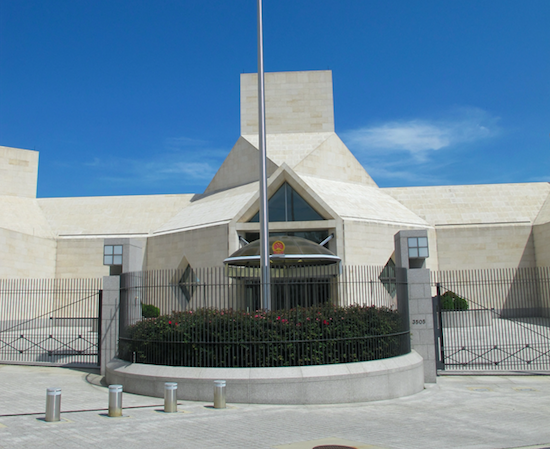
(322, 384)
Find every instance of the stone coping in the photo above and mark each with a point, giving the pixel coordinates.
(321, 384)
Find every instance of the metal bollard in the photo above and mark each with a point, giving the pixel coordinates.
(170, 397)
(219, 394)
(115, 400)
(53, 404)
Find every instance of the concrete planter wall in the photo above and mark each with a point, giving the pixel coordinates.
(467, 318)
(322, 384)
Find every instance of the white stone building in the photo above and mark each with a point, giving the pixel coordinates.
(325, 191)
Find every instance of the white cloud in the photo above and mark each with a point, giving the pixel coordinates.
(417, 151)
(419, 136)
(182, 161)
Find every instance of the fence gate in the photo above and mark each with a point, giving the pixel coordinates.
(50, 321)
(506, 325)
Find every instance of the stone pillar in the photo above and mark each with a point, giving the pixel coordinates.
(419, 295)
(110, 305)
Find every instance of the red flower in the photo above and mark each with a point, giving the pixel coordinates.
(169, 322)
(325, 322)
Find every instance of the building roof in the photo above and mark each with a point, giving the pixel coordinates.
(24, 215)
(362, 202)
(474, 204)
(210, 210)
(111, 215)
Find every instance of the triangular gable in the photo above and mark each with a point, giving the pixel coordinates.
(288, 205)
(285, 174)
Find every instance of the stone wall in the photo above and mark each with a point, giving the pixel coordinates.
(295, 102)
(80, 258)
(203, 247)
(26, 256)
(485, 246)
(368, 243)
(18, 172)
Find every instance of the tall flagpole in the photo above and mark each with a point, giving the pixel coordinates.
(265, 278)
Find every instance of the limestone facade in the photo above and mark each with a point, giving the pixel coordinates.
(483, 226)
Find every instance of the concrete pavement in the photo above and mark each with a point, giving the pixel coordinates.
(458, 412)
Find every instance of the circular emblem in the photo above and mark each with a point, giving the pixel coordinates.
(278, 247)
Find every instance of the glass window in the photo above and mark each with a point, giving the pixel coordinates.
(418, 247)
(287, 205)
(188, 283)
(112, 255)
(388, 279)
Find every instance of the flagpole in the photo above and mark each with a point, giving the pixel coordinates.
(265, 278)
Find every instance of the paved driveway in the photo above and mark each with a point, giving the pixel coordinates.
(457, 412)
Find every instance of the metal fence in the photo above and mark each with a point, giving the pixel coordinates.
(506, 325)
(214, 317)
(50, 321)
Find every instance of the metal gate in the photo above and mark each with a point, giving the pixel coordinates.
(506, 325)
(50, 321)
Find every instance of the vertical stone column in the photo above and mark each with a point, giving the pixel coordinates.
(109, 320)
(421, 320)
(420, 305)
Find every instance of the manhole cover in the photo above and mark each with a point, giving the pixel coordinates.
(333, 446)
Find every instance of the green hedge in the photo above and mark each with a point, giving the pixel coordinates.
(302, 336)
(451, 301)
(149, 311)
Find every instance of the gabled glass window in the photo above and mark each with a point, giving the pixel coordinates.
(287, 205)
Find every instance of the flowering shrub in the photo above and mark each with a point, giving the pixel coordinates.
(233, 338)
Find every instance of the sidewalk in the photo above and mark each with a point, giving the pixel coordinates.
(458, 412)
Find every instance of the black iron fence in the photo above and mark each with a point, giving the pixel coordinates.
(496, 319)
(214, 317)
(50, 321)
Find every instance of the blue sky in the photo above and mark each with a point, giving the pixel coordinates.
(142, 97)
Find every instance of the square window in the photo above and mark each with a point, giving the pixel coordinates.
(112, 255)
(418, 247)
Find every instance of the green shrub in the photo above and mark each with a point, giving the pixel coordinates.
(149, 311)
(451, 301)
(300, 336)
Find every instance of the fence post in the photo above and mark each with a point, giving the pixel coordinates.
(110, 306)
(419, 299)
(438, 330)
